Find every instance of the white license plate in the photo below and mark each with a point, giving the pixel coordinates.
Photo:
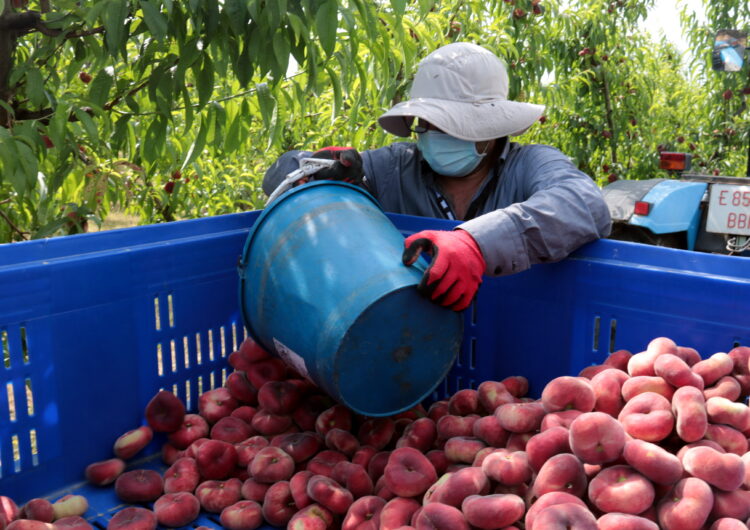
(729, 209)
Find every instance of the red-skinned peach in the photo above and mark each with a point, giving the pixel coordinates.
(568, 393)
(625, 521)
(270, 424)
(247, 449)
(545, 444)
(132, 442)
(298, 488)
(133, 518)
(726, 387)
(329, 494)
(216, 404)
(280, 397)
(364, 514)
(621, 489)
(549, 499)
(725, 471)
(647, 416)
(453, 487)
(231, 429)
(408, 472)
(440, 517)
(714, 368)
(559, 419)
(464, 402)
(354, 478)
(177, 509)
(735, 503)
(732, 413)
(729, 438)
(596, 438)
(341, 441)
(271, 369)
(182, 476)
(270, 465)
(691, 418)
(520, 417)
(492, 394)
(215, 495)
(193, 427)
(324, 462)
(676, 372)
(567, 515)
(563, 472)
(138, 485)
(463, 449)
(278, 504)
(653, 461)
(216, 459)
(165, 412)
(241, 389)
(687, 506)
(312, 517)
(419, 434)
(397, 513)
(618, 359)
(376, 432)
(517, 385)
(640, 384)
(335, 417)
(493, 511)
(242, 515)
(508, 468)
(449, 426)
(104, 472)
(38, 509)
(607, 387)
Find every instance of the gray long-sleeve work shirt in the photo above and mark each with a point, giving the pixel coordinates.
(534, 206)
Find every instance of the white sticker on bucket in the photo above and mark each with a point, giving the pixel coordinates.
(291, 358)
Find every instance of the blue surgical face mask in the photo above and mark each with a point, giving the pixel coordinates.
(447, 155)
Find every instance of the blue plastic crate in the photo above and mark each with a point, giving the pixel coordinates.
(93, 325)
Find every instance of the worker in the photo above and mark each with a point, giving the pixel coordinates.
(518, 204)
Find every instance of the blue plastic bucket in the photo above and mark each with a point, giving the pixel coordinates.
(322, 286)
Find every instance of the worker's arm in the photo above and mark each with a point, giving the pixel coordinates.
(346, 167)
(563, 210)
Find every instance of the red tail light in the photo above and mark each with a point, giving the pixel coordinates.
(642, 208)
(674, 161)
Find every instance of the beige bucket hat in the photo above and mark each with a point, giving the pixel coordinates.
(462, 89)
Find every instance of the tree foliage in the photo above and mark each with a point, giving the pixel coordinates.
(173, 110)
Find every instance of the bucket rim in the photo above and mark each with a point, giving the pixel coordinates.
(242, 262)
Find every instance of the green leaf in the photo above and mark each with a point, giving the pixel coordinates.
(114, 25)
(266, 103)
(244, 66)
(100, 87)
(236, 14)
(153, 142)
(35, 87)
(27, 168)
(326, 23)
(232, 139)
(88, 124)
(118, 136)
(155, 20)
(197, 146)
(281, 52)
(92, 12)
(398, 6)
(204, 78)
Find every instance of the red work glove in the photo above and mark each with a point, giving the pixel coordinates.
(456, 269)
(348, 167)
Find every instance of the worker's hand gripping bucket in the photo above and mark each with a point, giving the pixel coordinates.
(322, 285)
